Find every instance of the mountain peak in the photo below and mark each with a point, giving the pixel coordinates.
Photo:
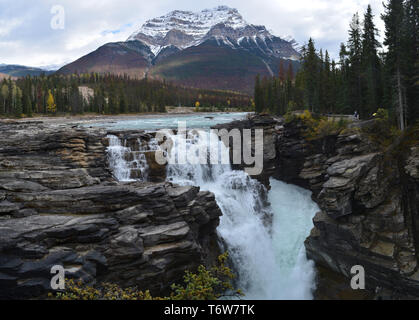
(193, 25)
(213, 49)
(223, 24)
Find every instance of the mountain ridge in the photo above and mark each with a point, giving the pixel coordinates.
(211, 49)
(15, 70)
(184, 29)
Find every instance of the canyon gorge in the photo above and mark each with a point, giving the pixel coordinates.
(66, 199)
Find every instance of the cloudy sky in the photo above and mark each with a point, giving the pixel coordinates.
(27, 38)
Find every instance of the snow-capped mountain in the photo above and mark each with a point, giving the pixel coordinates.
(184, 29)
(214, 49)
(193, 25)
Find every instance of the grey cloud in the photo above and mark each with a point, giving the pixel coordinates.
(27, 38)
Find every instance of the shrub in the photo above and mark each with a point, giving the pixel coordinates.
(290, 117)
(382, 114)
(204, 285)
(382, 131)
(321, 129)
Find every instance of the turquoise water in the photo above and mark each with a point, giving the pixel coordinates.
(271, 263)
(202, 121)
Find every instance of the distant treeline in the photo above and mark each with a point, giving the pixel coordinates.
(363, 80)
(106, 94)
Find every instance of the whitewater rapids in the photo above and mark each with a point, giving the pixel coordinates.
(271, 261)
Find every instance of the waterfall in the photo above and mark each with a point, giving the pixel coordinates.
(293, 220)
(127, 164)
(264, 235)
(270, 261)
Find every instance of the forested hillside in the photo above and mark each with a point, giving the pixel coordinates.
(368, 76)
(106, 94)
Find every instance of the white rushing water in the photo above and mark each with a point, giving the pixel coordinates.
(123, 161)
(271, 263)
(270, 259)
(293, 220)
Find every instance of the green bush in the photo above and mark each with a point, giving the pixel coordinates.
(316, 127)
(204, 285)
(382, 131)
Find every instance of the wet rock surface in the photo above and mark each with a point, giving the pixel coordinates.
(60, 205)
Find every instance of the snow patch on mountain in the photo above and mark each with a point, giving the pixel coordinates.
(224, 25)
(196, 24)
(294, 43)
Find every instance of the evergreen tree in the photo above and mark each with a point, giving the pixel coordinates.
(370, 64)
(394, 19)
(355, 62)
(328, 101)
(123, 107)
(411, 47)
(259, 105)
(343, 87)
(281, 75)
(18, 108)
(310, 68)
(27, 105)
(289, 89)
(4, 96)
(75, 99)
(113, 102)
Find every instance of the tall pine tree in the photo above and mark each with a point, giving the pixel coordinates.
(411, 47)
(354, 72)
(395, 56)
(370, 64)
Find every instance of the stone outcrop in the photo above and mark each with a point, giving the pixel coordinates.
(270, 128)
(60, 205)
(369, 201)
(369, 206)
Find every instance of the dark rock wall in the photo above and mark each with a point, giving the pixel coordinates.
(59, 205)
(368, 200)
(369, 204)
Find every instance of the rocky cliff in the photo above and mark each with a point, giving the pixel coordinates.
(60, 205)
(369, 206)
(369, 201)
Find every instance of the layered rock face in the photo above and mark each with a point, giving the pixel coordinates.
(271, 128)
(60, 205)
(369, 207)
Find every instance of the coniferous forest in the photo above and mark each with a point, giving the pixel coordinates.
(367, 77)
(106, 94)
